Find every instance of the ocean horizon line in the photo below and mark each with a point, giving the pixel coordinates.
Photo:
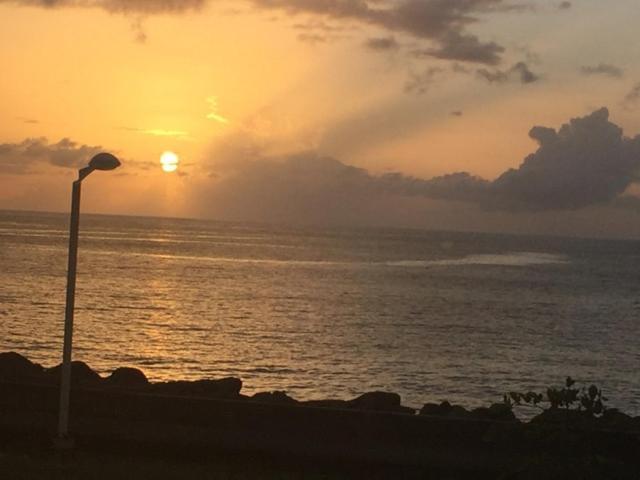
(334, 227)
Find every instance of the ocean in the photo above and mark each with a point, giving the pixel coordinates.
(328, 312)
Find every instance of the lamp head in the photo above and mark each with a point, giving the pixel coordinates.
(104, 161)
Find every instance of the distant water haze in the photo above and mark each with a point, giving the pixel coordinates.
(328, 313)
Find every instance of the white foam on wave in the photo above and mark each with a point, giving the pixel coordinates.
(514, 259)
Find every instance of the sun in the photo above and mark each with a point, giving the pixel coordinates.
(169, 161)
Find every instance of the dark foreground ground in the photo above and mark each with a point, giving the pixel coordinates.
(124, 427)
(21, 465)
(30, 464)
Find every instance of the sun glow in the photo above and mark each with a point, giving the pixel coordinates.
(169, 161)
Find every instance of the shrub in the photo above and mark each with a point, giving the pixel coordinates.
(589, 400)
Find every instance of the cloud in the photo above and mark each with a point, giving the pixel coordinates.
(143, 7)
(313, 38)
(26, 156)
(602, 69)
(520, 70)
(444, 23)
(137, 28)
(466, 48)
(139, 8)
(317, 31)
(38, 155)
(31, 121)
(382, 44)
(157, 132)
(419, 83)
(213, 111)
(587, 162)
(633, 97)
(565, 5)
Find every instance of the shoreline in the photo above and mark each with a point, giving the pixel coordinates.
(194, 419)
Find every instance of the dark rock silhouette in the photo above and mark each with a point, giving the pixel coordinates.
(380, 402)
(223, 388)
(497, 411)
(430, 409)
(15, 367)
(81, 374)
(445, 409)
(341, 404)
(371, 401)
(614, 419)
(277, 397)
(127, 377)
(561, 416)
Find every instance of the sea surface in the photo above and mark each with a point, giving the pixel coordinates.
(328, 313)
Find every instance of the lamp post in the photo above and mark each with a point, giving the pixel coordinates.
(102, 161)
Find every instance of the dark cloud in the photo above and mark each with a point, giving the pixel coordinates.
(587, 162)
(35, 155)
(316, 31)
(457, 113)
(520, 70)
(602, 69)
(382, 44)
(459, 186)
(24, 157)
(139, 8)
(633, 97)
(139, 33)
(312, 38)
(443, 23)
(144, 7)
(419, 83)
(564, 5)
(466, 48)
(525, 74)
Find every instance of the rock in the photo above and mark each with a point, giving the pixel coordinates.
(376, 401)
(458, 412)
(497, 411)
(223, 388)
(501, 411)
(614, 419)
(337, 404)
(277, 397)
(445, 409)
(430, 409)
(127, 377)
(379, 402)
(561, 416)
(15, 367)
(81, 374)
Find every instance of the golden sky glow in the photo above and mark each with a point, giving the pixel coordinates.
(229, 83)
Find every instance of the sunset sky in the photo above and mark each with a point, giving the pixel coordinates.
(334, 112)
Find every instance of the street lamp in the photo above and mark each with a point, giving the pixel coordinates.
(102, 161)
